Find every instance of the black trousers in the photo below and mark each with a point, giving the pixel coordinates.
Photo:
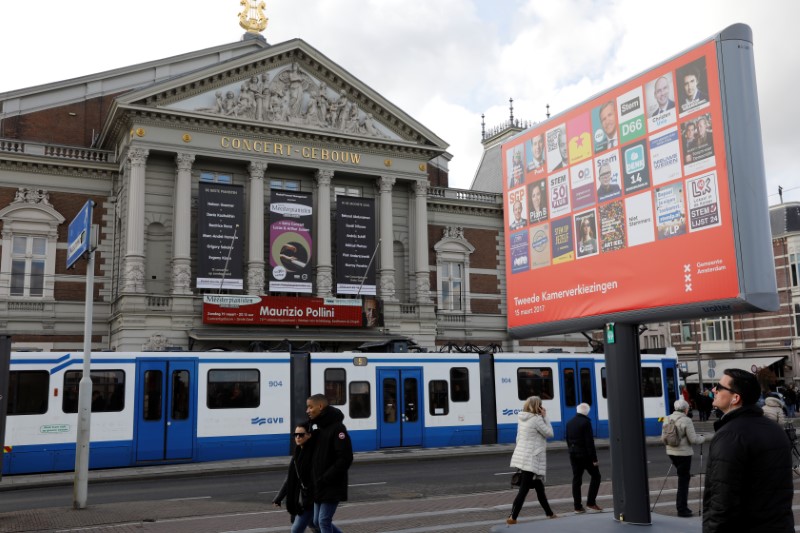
(525, 485)
(580, 465)
(683, 465)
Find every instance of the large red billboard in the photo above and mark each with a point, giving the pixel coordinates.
(281, 311)
(623, 203)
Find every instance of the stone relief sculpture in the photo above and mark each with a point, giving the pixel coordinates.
(294, 97)
(32, 196)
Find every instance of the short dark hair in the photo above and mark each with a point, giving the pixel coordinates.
(745, 384)
(320, 399)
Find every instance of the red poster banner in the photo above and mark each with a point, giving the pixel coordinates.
(625, 201)
(281, 311)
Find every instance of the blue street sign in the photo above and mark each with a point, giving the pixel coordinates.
(79, 233)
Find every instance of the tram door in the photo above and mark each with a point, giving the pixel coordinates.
(577, 386)
(165, 419)
(399, 407)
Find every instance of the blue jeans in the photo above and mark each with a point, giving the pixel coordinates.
(302, 521)
(323, 517)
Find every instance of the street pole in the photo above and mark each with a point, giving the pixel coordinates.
(697, 355)
(81, 484)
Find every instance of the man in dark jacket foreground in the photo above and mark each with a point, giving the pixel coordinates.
(333, 455)
(583, 457)
(749, 474)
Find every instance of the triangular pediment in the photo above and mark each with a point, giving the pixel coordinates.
(288, 86)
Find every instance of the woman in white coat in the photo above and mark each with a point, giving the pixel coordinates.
(529, 456)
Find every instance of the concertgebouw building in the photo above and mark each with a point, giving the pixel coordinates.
(256, 196)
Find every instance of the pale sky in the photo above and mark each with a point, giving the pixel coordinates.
(444, 62)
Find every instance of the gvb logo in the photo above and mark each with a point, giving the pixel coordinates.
(510, 412)
(260, 420)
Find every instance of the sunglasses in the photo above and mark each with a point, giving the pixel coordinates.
(720, 386)
(299, 435)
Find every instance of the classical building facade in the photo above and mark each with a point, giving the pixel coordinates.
(142, 142)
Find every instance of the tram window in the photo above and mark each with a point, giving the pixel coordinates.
(603, 383)
(672, 385)
(651, 383)
(180, 395)
(437, 390)
(535, 382)
(233, 389)
(459, 384)
(153, 397)
(108, 390)
(360, 400)
(586, 385)
(27, 392)
(335, 379)
(570, 394)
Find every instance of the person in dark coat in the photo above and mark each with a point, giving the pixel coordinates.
(299, 481)
(749, 474)
(583, 458)
(332, 457)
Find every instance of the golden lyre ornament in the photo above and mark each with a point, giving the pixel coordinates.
(252, 17)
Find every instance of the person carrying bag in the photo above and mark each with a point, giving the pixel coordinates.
(296, 489)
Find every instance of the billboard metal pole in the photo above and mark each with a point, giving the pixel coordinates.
(5, 363)
(697, 333)
(81, 485)
(631, 490)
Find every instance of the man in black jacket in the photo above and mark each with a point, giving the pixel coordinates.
(583, 457)
(333, 455)
(749, 474)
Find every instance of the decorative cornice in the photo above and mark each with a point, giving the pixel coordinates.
(41, 167)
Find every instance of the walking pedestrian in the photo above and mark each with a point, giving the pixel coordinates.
(331, 459)
(297, 487)
(749, 474)
(681, 455)
(583, 458)
(773, 409)
(533, 430)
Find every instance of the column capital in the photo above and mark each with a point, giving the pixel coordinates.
(257, 169)
(420, 187)
(184, 161)
(138, 156)
(386, 183)
(324, 176)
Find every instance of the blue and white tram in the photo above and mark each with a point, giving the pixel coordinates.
(169, 407)
(565, 380)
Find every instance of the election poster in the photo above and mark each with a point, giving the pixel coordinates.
(693, 83)
(517, 205)
(665, 156)
(586, 234)
(558, 184)
(519, 252)
(639, 219)
(635, 167)
(582, 185)
(537, 193)
(557, 148)
(608, 176)
(516, 169)
(562, 238)
(540, 246)
(660, 96)
(670, 211)
(612, 226)
(580, 138)
(536, 154)
(631, 115)
(698, 145)
(703, 202)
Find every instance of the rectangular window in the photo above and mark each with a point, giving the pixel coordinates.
(153, 399)
(797, 320)
(603, 382)
(717, 329)
(672, 384)
(234, 389)
(651, 383)
(347, 191)
(28, 391)
(215, 177)
(586, 385)
(360, 400)
(180, 394)
(28, 258)
(794, 268)
(459, 384)
(335, 380)
(687, 331)
(437, 390)
(570, 394)
(284, 185)
(451, 280)
(108, 390)
(535, 382)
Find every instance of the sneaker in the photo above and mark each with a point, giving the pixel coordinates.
(595, 507)
(685, 514)
(510, 521)
(579, 510)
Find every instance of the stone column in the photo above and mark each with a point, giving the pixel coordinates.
(386, 271)
(255, 234)
(421, 269)
(182, 226)
(324, 267)
(134, 252)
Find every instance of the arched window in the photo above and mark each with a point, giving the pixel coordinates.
(30, 235)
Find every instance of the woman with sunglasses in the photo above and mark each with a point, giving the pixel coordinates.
(296, 488)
